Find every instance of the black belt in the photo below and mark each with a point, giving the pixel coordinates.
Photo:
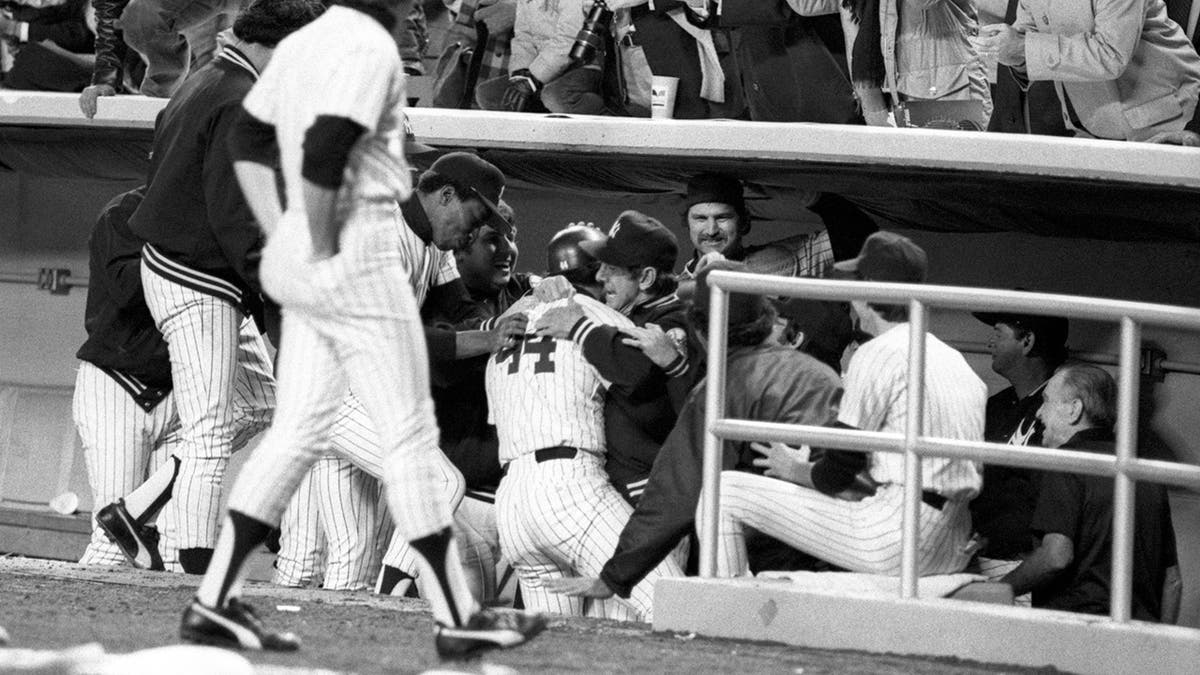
(547, 454)
(933, 499)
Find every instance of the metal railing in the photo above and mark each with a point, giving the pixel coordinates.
(1124, 467)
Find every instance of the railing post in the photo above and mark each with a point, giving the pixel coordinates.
(913, 423)
(714, 409)
(1128, 379)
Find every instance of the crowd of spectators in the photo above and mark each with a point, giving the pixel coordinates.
(1109, 69)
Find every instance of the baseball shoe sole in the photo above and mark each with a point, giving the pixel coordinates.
(487, 629)
(138, 543)
(236, 626)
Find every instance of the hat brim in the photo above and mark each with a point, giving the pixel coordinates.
(494, 219)
(991, 318)
(850, 265)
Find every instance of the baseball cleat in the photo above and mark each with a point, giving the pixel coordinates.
(234, 627)
(487, 629)
(139, 543)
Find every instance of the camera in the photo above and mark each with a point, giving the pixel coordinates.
(590, 38)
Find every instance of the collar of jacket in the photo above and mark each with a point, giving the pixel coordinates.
(235, 56)
(416, 218)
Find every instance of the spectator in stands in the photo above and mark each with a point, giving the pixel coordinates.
(118, 69)
(1072, 567)
(174, 36)
(51, 44)
(1026, 349)
(455, 78)
(542, 73)
(765, 381)
(919, 48)
(1123, 70)
(1019, 106)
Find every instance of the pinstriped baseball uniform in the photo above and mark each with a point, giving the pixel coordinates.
(333, 530)
(560, 516)
(122, 443)
(864, 536)
(341, 497)
(351, 319)
(215, 359)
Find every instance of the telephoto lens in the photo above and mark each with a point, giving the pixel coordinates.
(591, 36)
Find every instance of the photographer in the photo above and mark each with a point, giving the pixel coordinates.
(542, 73)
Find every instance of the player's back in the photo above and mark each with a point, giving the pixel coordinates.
(343, 64)
(544, 393)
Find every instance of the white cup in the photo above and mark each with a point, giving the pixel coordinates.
(662, 96)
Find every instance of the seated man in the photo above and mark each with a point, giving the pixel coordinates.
(846, 508)
(542, 73)
(51, 44)
(1072, 567)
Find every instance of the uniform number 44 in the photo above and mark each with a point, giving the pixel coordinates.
(542, 348)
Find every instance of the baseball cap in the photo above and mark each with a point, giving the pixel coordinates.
(635, 240)
(1050, 332)
(743, 308)
(482, 178)
(887, 256)
(720, 188)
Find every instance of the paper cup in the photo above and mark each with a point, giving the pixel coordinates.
(662, 96)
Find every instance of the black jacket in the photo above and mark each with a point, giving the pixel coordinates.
(768, 383)
(194, 213)
(643, 400)
(111, 51)
(122, 337)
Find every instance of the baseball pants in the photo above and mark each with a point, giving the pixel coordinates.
(334, 527)
(223, 386)
(348, 321)
(122, 444)
(862, 536)
(563, 517)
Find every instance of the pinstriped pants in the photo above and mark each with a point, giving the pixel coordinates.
(861, 536)
(217, 365)
(335, 527)
(563, 517)
(350, 321)
(122, 444)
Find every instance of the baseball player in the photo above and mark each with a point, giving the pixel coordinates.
(199, 263)
(557, 512)
(124, 407)
(331, 105)
(846, 508)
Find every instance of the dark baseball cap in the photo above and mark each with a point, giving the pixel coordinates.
(887, 256)
(718, 188)
(743, 308)
(482, 178)
(636, 240)
(1050, 332)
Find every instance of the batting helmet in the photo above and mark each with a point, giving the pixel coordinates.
(563, 253)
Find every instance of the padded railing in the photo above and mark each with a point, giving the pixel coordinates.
(1125, 468)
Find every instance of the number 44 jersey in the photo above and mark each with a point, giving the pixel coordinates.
(543, 393)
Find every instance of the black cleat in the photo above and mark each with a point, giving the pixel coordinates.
(487, 629)
(139, 543)
(234, 627)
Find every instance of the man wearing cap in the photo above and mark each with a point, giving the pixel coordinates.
(764, 381)
(1026, 350)
(846, 508)
(636, 262)
(345, 275)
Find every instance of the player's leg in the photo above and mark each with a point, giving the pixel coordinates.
(254, 386)
(202, 334)
(479, 544)
(349, 506)
(301, 538)
(310, 389)
(118, 437)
